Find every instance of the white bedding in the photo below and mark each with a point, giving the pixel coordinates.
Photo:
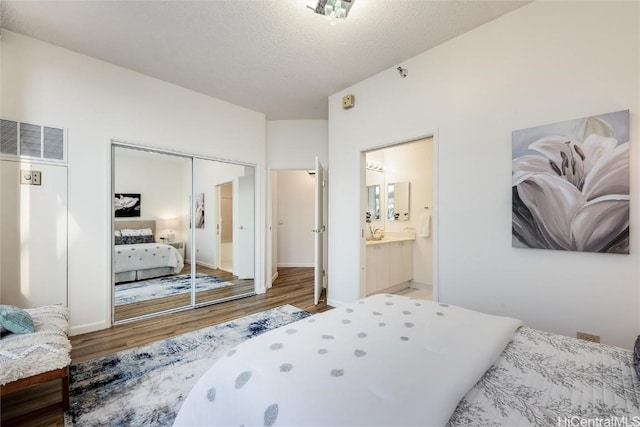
(385, 360)
(542, 378)
(145, 256)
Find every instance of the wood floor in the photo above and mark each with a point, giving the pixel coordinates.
(240, 287)
(294, 286)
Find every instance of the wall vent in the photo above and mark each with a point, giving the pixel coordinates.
(20, 139)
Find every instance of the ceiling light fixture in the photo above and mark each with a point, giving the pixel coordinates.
(335, 10)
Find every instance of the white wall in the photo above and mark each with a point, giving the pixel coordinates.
(159, 181)
(97, 101)
(294, 144)
(296, 202)
(543, 63)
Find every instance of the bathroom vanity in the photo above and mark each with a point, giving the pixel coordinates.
(389, 263)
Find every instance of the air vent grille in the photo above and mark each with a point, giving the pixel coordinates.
(32, 141)
(53, 143)
(8, 137)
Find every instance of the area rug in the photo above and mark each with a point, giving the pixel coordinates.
(146, 385)
(128, 293)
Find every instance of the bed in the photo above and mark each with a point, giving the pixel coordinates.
(392, 360)
(28, 359)
(137, 256)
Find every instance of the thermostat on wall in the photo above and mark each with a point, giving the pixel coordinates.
(30, 177)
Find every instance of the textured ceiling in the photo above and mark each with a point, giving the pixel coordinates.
(272, 56)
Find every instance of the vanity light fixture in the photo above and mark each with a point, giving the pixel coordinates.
(373, 166)
(335, 10)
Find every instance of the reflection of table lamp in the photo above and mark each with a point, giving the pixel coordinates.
(171, 225)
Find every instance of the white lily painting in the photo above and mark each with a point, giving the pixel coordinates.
(570, 185)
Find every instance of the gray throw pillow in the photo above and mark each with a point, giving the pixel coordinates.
(16, 320)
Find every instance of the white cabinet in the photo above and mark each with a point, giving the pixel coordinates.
(394, 264)
(33, 235)
(406, 272)
(377, 268)
(388, 264)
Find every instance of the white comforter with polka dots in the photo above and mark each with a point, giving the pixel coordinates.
(385, 360)
(142, 256)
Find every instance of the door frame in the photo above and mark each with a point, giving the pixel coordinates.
(271, 223)
(434, 209)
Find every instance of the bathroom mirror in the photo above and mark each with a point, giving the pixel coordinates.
(373, 202)
(398, 201)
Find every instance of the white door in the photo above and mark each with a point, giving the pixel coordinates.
(33, 235)
(319, 232)
(243, 240)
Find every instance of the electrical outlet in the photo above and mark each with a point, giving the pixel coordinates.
(36, 178)
(588, 337)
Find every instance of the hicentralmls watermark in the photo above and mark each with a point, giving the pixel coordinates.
(599, 422)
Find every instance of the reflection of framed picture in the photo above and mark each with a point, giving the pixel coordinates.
(126, 204)
(200, 210)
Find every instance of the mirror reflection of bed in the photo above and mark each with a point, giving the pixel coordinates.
(154, 267)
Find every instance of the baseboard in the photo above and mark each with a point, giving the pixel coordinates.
(89, 327)
(295, 264)
(393, 289)
(274, 277)
(205, 264)
(416, 285)
(334, 303)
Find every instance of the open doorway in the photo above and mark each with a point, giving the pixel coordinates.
(292, 225)
(398, 213)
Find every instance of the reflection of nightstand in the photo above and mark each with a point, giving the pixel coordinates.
(179, 246)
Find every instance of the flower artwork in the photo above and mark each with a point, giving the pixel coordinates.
(570, 185)
(200, 210)
(126, 205)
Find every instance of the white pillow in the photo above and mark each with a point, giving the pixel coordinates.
(140, 232)
(117, 233)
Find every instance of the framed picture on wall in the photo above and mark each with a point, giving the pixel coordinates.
(200, 210)
(570, 185)
(126, 205)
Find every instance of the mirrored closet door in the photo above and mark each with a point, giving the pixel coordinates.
(183, 231)
(224, 230)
